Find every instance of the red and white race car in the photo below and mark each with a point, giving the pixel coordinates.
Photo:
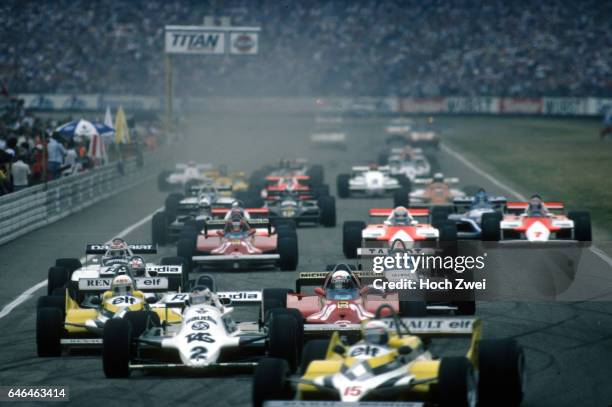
(253, 243)
(537, 221)
(385, 227)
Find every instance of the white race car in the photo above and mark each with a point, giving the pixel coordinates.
(207, 336)
(370, 181)
(412, 167)
(183, 173)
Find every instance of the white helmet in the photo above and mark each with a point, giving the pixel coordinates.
(438, 177)
(375, 332)
(340, 280)
(122, 285)
(401, 216)
(203, 296)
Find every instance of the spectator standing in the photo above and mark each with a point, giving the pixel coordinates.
(20, 172)
(55, 157)
(70, 160)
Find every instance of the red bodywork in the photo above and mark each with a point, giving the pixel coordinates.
(409, 233)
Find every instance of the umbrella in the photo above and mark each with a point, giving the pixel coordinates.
(83, 128)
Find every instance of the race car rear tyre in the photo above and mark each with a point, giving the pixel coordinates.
(270, 381)
(285, 227)
(52, 301)
(316, 174)
(272, 298)
(171, 205)
(117, 348)
(412, 308)
(288, 251)
(404, 182)
(183, 280)
(448, 231)
(49, 331)
(465, 307)
(501, 372)
(456, 383)
(351, 237)
(159, 234)
(582, 225)
(490, 225)
(57, 277)
(315, 349)
(283, 340)
(185, 249)
(299, 319)
(327, 205)
(439, 214)
(207, 281)
(162, 181)
(141, 321)
(69, 264)
(401, 197)
(342, 185)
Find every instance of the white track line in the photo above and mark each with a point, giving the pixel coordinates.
(595, 250)
(27, 294)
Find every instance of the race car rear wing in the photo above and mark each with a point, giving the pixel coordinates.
(464, 202)
(201, 167)
(425, 181)
(148, 284)
(254, 213)
(216, 224)
(234, 297)
(93, 248)
(317, 278)
(519, 207)
(385, 212)
(363, 168)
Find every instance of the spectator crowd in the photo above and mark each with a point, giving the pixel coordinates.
(366, 47)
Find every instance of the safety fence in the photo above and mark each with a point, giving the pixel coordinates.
(37, 206)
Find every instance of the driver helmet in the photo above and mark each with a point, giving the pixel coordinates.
(204, 203)
(438, 177)
(375, 332)
(137, 266)
(481, 197)
(201, 296)
(117, 248)
(373, 166)
(122, 285)
(536, 206)
(191, 164)
(401, 216)
(341, 280)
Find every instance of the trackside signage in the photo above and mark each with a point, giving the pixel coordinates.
(211, 40)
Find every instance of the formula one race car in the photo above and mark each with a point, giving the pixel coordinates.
(411, 226)
(403, 131)
(437, 191)
(206, 337)
(63, 323)
(537, 221)
(301, 206)
(287, 169)
(394, 361)
(468, 211)
(184, 173)
(412, 164)
(370, 181)
(71, 274)
(328, 132)
(249, 242)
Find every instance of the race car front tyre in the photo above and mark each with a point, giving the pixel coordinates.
(412, 309)
(404, 182)
(501, 372)
(270, 381)
(315, 349)
(316, 174)
(56, 278)
(448, 231)
(582, 225)
(171, 205)
(49, 331)
(162, 181)
(283, 340)
(69, 264)
(159, 229)
(207, 281)
(327, 205)
(490, 225)
(285, 227)
(179, 281)
(288, 252)
(401, 197)
(299, 319)
(456, 383)
(142, 321)
(439, 214)
(117, 348)
(272, 298)
(465, 307)
(351, 237)
(52, 301)
(342, 185)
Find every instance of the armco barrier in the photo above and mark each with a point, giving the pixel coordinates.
(32, 208)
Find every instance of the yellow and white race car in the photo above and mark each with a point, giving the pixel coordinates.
(394, 362)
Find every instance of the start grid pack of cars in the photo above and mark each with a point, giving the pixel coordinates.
(334, 337)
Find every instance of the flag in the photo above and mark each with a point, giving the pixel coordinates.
(97, 150)
(108, 118)
(122, 133)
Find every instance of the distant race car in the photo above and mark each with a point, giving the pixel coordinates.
(287, 168)
(382, 230)
(64, 323)
(69, 273)
(255, 243)
(394, 361)
(403, 131)
(468, 212)
(206, 337)
(412, 165)
(437, 191)
(537, 221)
(329, 132)
(184, 173)
(370, 181)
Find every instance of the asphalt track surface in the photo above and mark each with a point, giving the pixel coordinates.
(568, 345)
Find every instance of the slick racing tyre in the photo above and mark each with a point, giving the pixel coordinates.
(412, 308)
(315, 349)
(69, 264)
(271, 381)
(273, 298)
(179, 281)
(582, 225)
(439, 214)
(285, 227)
(142, 321)
(159, 234)
(49, 331)
(288, 252)
(456, 383)
(342, 185)
(490, 225)
(52, 301)
(185, 248)
(57, 278)
(351, 238)
(283, 340)
(327, 205)
(401, 197)
(299, 319)
(171, 206)
(501, 372)
(117, 348)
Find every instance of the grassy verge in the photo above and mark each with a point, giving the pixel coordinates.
(558, 158)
